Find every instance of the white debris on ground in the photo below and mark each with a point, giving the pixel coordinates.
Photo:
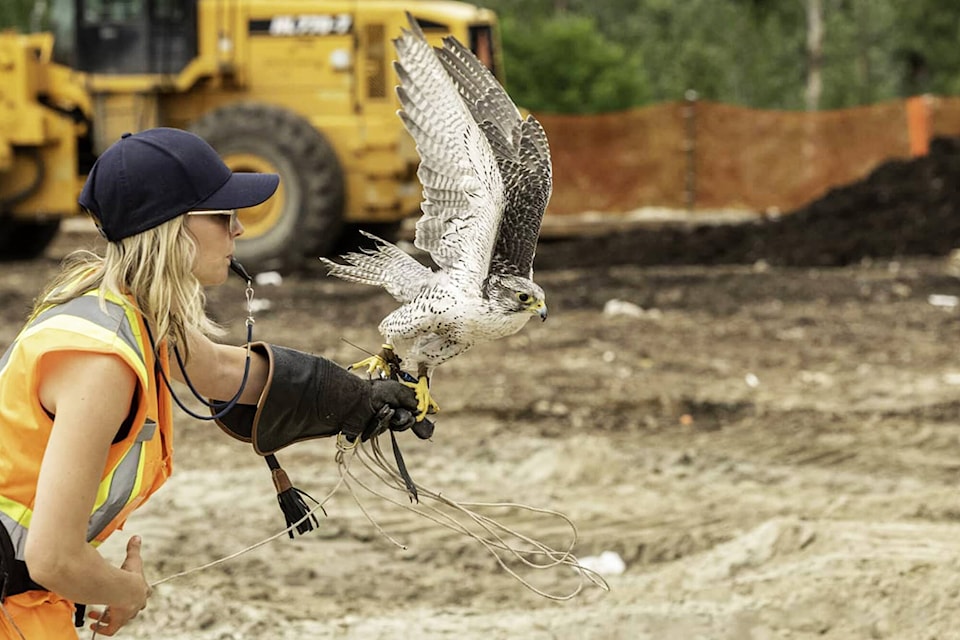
(608, 563)
(943, 301)
(617, 307)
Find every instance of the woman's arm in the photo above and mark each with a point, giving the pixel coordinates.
(90, 395)
(216, 370)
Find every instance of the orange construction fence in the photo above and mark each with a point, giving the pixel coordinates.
(706, 156)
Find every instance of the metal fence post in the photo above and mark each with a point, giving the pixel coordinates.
(690, 148)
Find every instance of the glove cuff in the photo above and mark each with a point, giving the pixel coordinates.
(304, 397)
(239, 421)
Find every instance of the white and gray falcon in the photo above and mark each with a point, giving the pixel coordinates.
(487, 178)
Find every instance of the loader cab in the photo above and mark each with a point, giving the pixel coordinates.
(125, 36)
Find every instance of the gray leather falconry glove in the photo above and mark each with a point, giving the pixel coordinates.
(308, 397)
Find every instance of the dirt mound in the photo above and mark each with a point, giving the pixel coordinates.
(903, 208)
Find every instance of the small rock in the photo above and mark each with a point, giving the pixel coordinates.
(943, 301)
(608, 563)
(616, 307)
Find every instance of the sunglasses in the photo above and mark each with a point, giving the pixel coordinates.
(228, 215)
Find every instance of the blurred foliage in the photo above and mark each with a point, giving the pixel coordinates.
(601, 75)
(749, 52)
(928, 46)
(15, 14)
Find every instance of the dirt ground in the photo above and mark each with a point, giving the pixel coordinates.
(772, 451)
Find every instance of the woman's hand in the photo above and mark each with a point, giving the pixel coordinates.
(114, 616)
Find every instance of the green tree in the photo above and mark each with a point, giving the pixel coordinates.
(737, 51)
(743, 51)
(564, 64)
(15, 14)
(754, 52)
(860, 65)
(928, 57)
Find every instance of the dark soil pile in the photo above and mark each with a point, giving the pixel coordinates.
(903, 208)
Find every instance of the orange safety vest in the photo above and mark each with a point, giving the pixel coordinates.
(136, 466)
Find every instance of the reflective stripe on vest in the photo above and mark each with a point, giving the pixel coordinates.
(123, 483)
(83, 314)
(114, 493)
(118, 488)
(11, 515)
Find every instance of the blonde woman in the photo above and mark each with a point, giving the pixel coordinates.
(85, 409)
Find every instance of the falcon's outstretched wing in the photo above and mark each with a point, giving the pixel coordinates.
(386, 266)
(462, 187)
(522, 153)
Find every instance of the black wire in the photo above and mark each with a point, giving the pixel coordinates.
(215, 403)
(221, 408)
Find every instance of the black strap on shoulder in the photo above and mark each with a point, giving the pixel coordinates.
(14, 577)
(8, 556)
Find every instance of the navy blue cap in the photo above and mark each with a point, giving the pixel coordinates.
(145, 179)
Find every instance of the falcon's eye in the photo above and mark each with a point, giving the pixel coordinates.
(523, 297)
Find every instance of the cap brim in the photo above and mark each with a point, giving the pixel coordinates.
(242, 190)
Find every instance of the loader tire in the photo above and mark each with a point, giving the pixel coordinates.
(26, 239)
(303, 220)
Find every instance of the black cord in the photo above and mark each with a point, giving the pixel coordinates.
(221, 408)
(243, 383)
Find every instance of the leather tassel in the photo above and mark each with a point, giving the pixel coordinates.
(292, 500)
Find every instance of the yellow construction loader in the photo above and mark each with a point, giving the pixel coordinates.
(303, 88)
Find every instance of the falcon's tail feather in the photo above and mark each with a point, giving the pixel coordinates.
(386, 266)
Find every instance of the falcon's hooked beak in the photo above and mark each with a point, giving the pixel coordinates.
(539, 308)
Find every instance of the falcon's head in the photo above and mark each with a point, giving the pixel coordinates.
(515, 294)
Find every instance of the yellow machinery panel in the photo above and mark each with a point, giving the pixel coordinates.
(304, 88)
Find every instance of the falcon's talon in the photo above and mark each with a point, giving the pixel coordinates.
(374, 365)
(383, 364)
(425, 403)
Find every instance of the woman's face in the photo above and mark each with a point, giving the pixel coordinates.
(214, 232)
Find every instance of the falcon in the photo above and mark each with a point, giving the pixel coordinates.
(487, 178)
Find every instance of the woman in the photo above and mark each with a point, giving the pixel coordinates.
(85, 410)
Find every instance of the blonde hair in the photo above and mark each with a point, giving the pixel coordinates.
(155, 269)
